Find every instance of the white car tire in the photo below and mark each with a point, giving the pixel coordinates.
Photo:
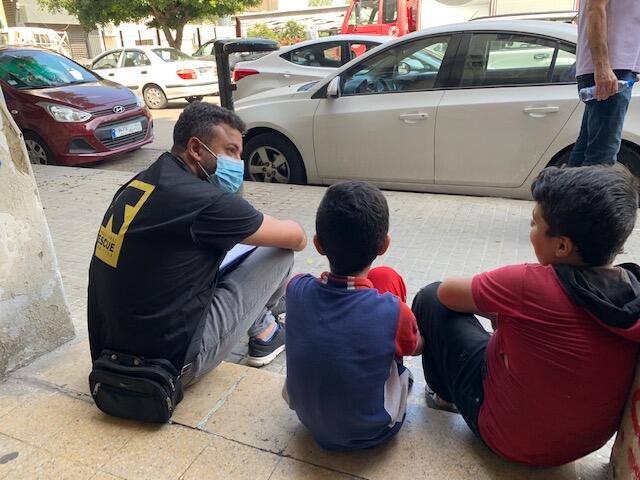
(154, 97)
(270, 157)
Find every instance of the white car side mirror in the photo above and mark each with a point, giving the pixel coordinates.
(333, 90)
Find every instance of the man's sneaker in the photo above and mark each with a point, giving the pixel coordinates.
(262, 353)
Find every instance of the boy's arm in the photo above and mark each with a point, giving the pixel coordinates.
(456, 295)
(409, 342)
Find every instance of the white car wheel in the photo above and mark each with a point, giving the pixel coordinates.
(272, 158)
(154, 97)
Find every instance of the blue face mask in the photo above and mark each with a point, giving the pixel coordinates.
(229, 172)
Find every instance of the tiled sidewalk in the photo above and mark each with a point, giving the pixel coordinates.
(234, 424)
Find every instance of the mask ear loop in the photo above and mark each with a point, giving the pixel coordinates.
(208, 150)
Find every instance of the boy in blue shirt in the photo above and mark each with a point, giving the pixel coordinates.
(348, 330)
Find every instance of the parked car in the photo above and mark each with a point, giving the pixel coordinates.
(303, 62)
(68, 115)
(205, 52)
(159, 74)
(456, 109)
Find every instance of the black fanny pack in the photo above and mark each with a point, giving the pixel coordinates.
(133, 387)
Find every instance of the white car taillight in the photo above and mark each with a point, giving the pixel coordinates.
(187, 74)
(240, 73)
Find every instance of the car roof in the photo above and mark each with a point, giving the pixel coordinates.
(352, 37)
(560, 30)
(4, 48)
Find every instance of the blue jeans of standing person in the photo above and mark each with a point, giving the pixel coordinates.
(601, 132)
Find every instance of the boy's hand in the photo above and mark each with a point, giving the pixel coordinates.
(419, 346)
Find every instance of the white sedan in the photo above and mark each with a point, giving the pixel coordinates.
(159, 74)
(305, 61)
(476, 108)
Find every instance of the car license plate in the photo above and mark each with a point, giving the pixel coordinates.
(204, 70)
(127, 129)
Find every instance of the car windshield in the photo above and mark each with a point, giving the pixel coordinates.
(171, 54)
(38, 69)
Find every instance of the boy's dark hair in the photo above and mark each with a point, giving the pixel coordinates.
(198, 120)
(595, 206)
(352, 223)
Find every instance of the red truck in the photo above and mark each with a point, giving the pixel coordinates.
(399, 17)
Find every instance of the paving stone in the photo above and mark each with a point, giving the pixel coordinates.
(14, 393)
(19, 460)
(431, 444)
(224, 459)
(163, 454)
(255, 413)
(289, 469)
(68, 367)
(201, 398)
(73, 429)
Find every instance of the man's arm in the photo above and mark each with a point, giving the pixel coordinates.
(606, 80)
(278, 233)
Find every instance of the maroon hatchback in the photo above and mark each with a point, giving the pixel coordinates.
(67, 114)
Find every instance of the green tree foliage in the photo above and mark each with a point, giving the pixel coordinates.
(292, 32)
(168, 15)
(320, 3)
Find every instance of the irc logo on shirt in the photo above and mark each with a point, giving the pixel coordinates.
(120, 215)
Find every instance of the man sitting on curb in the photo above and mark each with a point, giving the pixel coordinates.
(549, 386)
(152, 280)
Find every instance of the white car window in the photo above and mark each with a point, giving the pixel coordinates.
(412, 66)
(206, 49)
(564, 70)
(319, 55)
(134, 58)
(171, 54)
(512, 59)
(358, 48)
(110, 60)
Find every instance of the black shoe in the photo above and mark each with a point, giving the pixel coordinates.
(262, 353)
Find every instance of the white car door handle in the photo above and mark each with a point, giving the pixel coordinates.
(538, 112)
(413, 117)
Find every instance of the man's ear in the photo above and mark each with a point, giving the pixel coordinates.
(193, 149)
(564, 247)
(316, 243)
(385, 247)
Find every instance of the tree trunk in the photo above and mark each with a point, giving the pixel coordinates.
(174, 41)
(179, 32)
(168, 35)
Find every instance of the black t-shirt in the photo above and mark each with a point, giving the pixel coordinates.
(152, 274)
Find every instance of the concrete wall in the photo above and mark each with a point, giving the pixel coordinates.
(34, 315)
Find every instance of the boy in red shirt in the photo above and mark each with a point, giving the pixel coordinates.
(549, 386)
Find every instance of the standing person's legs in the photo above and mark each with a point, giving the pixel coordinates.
(386, 279)
(454, 353)
(241, 306)
(601, 132)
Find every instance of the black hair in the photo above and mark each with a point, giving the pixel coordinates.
(352, 223)
(595, 206)
(198, 120)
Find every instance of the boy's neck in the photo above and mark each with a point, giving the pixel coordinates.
(361, 273)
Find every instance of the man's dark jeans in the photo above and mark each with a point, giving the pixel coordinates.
(601, 132)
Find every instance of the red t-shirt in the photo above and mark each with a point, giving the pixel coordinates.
(557, 381)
